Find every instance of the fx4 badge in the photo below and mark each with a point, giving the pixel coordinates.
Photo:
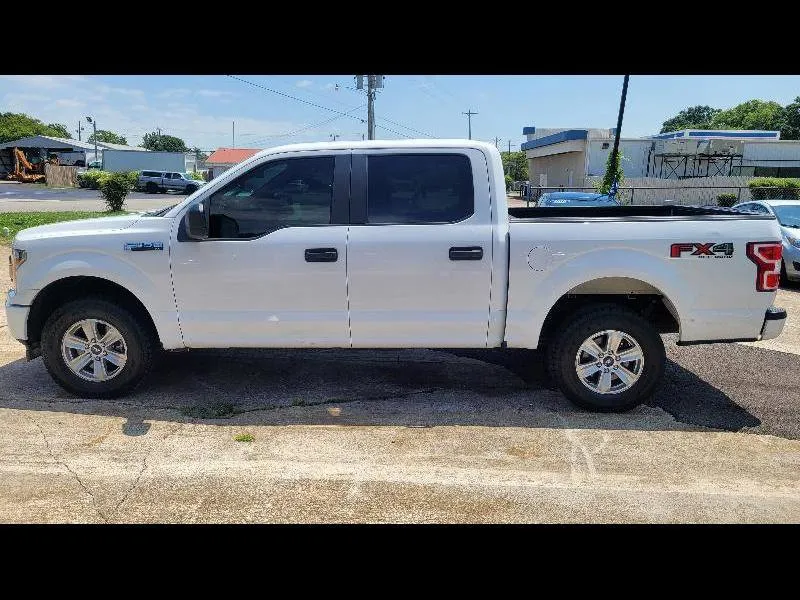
(710, 249)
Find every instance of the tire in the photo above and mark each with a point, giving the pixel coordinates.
(190, 189)
(138, 345)
(162, 190)
(784, 275)
(151, 188)
(566, 353)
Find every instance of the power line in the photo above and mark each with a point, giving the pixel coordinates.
(314, 104)
(285, 95)
(307, 127)
(407, 127)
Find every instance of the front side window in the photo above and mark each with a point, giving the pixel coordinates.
(419, 188)
(294, 192)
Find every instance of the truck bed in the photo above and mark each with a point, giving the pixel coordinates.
(630, 213)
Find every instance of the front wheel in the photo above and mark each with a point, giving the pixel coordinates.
(96, 349)
(191, 189)
(608, 359)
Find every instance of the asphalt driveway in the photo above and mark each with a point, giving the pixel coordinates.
(401, 436)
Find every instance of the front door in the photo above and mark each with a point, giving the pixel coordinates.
(273, 271)
(420, 249)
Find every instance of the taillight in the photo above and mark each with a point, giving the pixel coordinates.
(767, 256)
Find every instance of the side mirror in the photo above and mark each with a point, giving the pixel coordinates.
(197, 222)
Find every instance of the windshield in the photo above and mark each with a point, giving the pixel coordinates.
(160, 212)
(788, 214)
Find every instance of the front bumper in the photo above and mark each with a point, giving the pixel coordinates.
(774, 320)
(17, 317)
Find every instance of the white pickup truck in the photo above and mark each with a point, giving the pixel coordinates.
(392, 244)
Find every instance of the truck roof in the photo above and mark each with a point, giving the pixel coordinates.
(352, 145)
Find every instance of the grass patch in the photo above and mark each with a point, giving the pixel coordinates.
(16, 221)
(298, 402)
(244, 437)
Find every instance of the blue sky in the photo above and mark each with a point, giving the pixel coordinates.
(200, 109)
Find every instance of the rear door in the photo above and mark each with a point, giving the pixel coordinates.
(419, 249)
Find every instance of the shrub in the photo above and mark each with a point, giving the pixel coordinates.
(92, 179)
(727, 199)
(197, 175)
(114, 189)
(509, 183)
(775, 188)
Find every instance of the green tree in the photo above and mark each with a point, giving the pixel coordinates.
(608, 178)
(14, 126)
(694, 117)
(753, 114)
(199, 153)
(163, 143)
(103, 135)
(790, 121)
(58, 131)
(515, 164)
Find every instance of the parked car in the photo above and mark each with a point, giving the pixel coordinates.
(576, 199)
(95, 164)
(392, 244)
(154, 182)
(788, 214)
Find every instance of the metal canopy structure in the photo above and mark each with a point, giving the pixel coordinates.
(685, 158)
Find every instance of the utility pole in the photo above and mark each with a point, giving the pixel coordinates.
(94, 126)
(335, 135)
(371, 107)
(80, 128)
(496, 141)
(233, 134)
(158, 129)
(374, 83)
(509, 146)
(615, 151)
(469, 114)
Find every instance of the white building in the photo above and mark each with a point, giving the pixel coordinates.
(566, 157)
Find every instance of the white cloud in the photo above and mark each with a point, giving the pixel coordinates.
(70, 103)
(43, 81)
(304, 83)
(174, 93)
(16, 99)
(139, 107)
(127, 91)
(214, 93)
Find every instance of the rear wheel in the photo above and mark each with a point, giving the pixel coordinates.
(608, 359)
(96, 349)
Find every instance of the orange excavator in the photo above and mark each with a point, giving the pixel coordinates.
(24, 171)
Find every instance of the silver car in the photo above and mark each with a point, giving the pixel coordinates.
(788, 214)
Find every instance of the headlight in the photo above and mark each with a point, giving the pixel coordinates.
(793, 241)
(15, 260)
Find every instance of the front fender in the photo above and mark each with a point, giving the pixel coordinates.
(144, 274)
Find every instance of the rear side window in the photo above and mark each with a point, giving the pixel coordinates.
(419, 188)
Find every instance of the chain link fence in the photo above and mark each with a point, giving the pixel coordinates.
(654, 196)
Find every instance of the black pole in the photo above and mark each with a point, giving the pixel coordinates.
(615, 151)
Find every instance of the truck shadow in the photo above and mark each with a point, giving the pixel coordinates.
(415, 388)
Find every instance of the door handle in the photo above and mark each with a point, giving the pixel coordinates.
(322, 255)
(466, 253)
